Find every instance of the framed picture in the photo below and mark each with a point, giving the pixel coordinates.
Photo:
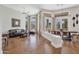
(15, 22)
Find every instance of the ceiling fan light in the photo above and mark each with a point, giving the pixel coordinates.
(23, 13)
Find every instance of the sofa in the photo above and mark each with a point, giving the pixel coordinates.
(16, 32)
(56, 40)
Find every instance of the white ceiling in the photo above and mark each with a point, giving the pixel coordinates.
(35, 8)
(53, 6)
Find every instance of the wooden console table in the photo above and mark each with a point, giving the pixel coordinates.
(4, 40)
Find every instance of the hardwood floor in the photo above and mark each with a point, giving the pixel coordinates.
(36, 44)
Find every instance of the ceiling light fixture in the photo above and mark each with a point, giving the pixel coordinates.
(59, 4)
(25, 11)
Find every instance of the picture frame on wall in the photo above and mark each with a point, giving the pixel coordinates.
(15, 22)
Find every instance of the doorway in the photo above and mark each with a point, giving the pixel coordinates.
(31, 24)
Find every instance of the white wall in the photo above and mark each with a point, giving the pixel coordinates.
(7, 14)
(0, 37)
(0, 43)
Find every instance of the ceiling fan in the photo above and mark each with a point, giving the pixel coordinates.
(25, 12)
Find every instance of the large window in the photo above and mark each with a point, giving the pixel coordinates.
(64, 24)
(61, 23)
(47, 23)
